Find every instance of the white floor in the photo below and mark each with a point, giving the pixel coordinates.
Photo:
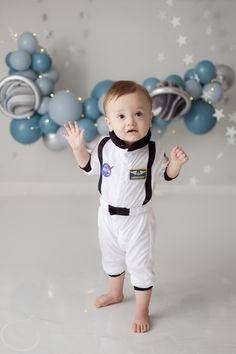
(50, 274)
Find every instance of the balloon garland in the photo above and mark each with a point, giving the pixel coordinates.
(27, 96)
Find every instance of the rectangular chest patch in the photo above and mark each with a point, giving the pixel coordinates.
(140, 173)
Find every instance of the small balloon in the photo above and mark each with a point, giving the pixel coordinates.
(102, 127)
(52, 74)
(225, 75)
(41, 62)
(100, 104)
(20, 60)
(101, 88)
(43, 105)
(26, 131)
(90, 131)
(64, 107)
(90, 108)
(194, 88)
(176, 79)
(45, 85)
(213, 92)
(205, 71)
(189, 75)
(54, 142)
(27, 41)
(160, 123)
(150, 83)
(200, 119)
(47, 125)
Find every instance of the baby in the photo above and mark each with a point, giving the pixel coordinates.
(128, 164)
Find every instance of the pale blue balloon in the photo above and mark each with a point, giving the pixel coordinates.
(206, 71)
(64, 107)
(26, 131)
(45, 85)
(175, 79)
(7, 60)
(200, 119)
(47, 125)
(60, 137)
(52, 74)
(41, 62)
(194, 88)
(101, 88)
(150, 83)
(100, 104)
(214, 92)
(44, 104)
(90, 108)
(27, 41)
(29, 74)
(20, 60)
(102, 127)
(90, 131)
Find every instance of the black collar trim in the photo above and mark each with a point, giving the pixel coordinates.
(137, 145)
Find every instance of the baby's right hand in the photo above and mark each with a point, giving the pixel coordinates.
(73, 135)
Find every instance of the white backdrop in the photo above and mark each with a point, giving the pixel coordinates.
(93, 40)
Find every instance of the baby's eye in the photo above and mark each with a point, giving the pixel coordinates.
(139, 114)
(121, 116)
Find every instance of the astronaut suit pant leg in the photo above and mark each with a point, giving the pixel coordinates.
(128, 242)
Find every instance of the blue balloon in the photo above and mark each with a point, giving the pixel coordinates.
(159, 122)
(213, 92)
(101, 88)
(41, 62)
(47, 125)
(200, 119)
(150, 83)
(64, 107)
(45, 86)
(175, 79)
(27, 41)
(90, 108)
(61, 139)
(12, 72)
(102, 127)
(20, 60)
(206, 71)
(194, 88)
(7, 60)
(44, 104)
(90, 131)
(52, 74)
(26, 131)
(100, 104)
(189, 75)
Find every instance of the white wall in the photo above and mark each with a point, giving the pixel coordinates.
(95, 40)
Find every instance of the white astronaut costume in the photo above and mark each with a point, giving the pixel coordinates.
(126, 221)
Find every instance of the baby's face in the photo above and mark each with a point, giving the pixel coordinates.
(129, 116)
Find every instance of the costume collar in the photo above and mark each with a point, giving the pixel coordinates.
(136, 145)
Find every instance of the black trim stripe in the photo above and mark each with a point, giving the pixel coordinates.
(142, 289)
(148, 183)
(100, 148)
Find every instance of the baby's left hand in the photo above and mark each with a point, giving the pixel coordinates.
(177, 155)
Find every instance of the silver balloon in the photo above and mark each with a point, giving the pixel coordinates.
(19, 96)
(54, 142)
(225, 75)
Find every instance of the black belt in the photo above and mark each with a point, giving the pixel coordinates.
(117, 211)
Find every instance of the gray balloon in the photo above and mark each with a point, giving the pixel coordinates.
(225, 75)
(53, 142)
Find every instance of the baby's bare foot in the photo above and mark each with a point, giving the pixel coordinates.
(141, 323)
(108, 299)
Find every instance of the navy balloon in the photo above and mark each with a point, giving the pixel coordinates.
(189, 75)
(90, 131)
(26, 131)
(176, 79)
(41, 62)
(200, 119)
(90, 108)
(206, 71)
(47, 125)
(101, 88)
(150, 83)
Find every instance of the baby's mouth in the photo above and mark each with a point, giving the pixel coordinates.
(132, 131)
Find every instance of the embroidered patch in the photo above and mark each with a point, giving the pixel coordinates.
(140, 173)
(106, 170)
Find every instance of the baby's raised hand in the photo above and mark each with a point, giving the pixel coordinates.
(177, 155)
(73, 135)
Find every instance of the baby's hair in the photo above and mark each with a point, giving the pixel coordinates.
(124, 87)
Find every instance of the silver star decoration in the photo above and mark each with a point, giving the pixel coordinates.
(169, 3)
(206, 96)
(162, 15)
(218, 114)
(232, 117)
(48, 34)
(219, 155)
(175, 21)
(188, 59)
(161, 57)
(193, 180)
(231, 140)
(207, 169)
(44, 17)
(182, 40)
(230, 131)
(209, 30)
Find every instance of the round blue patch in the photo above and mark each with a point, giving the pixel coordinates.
(106, 170)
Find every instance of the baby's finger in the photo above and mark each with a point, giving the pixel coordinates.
(72, 127)
(77, 129)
